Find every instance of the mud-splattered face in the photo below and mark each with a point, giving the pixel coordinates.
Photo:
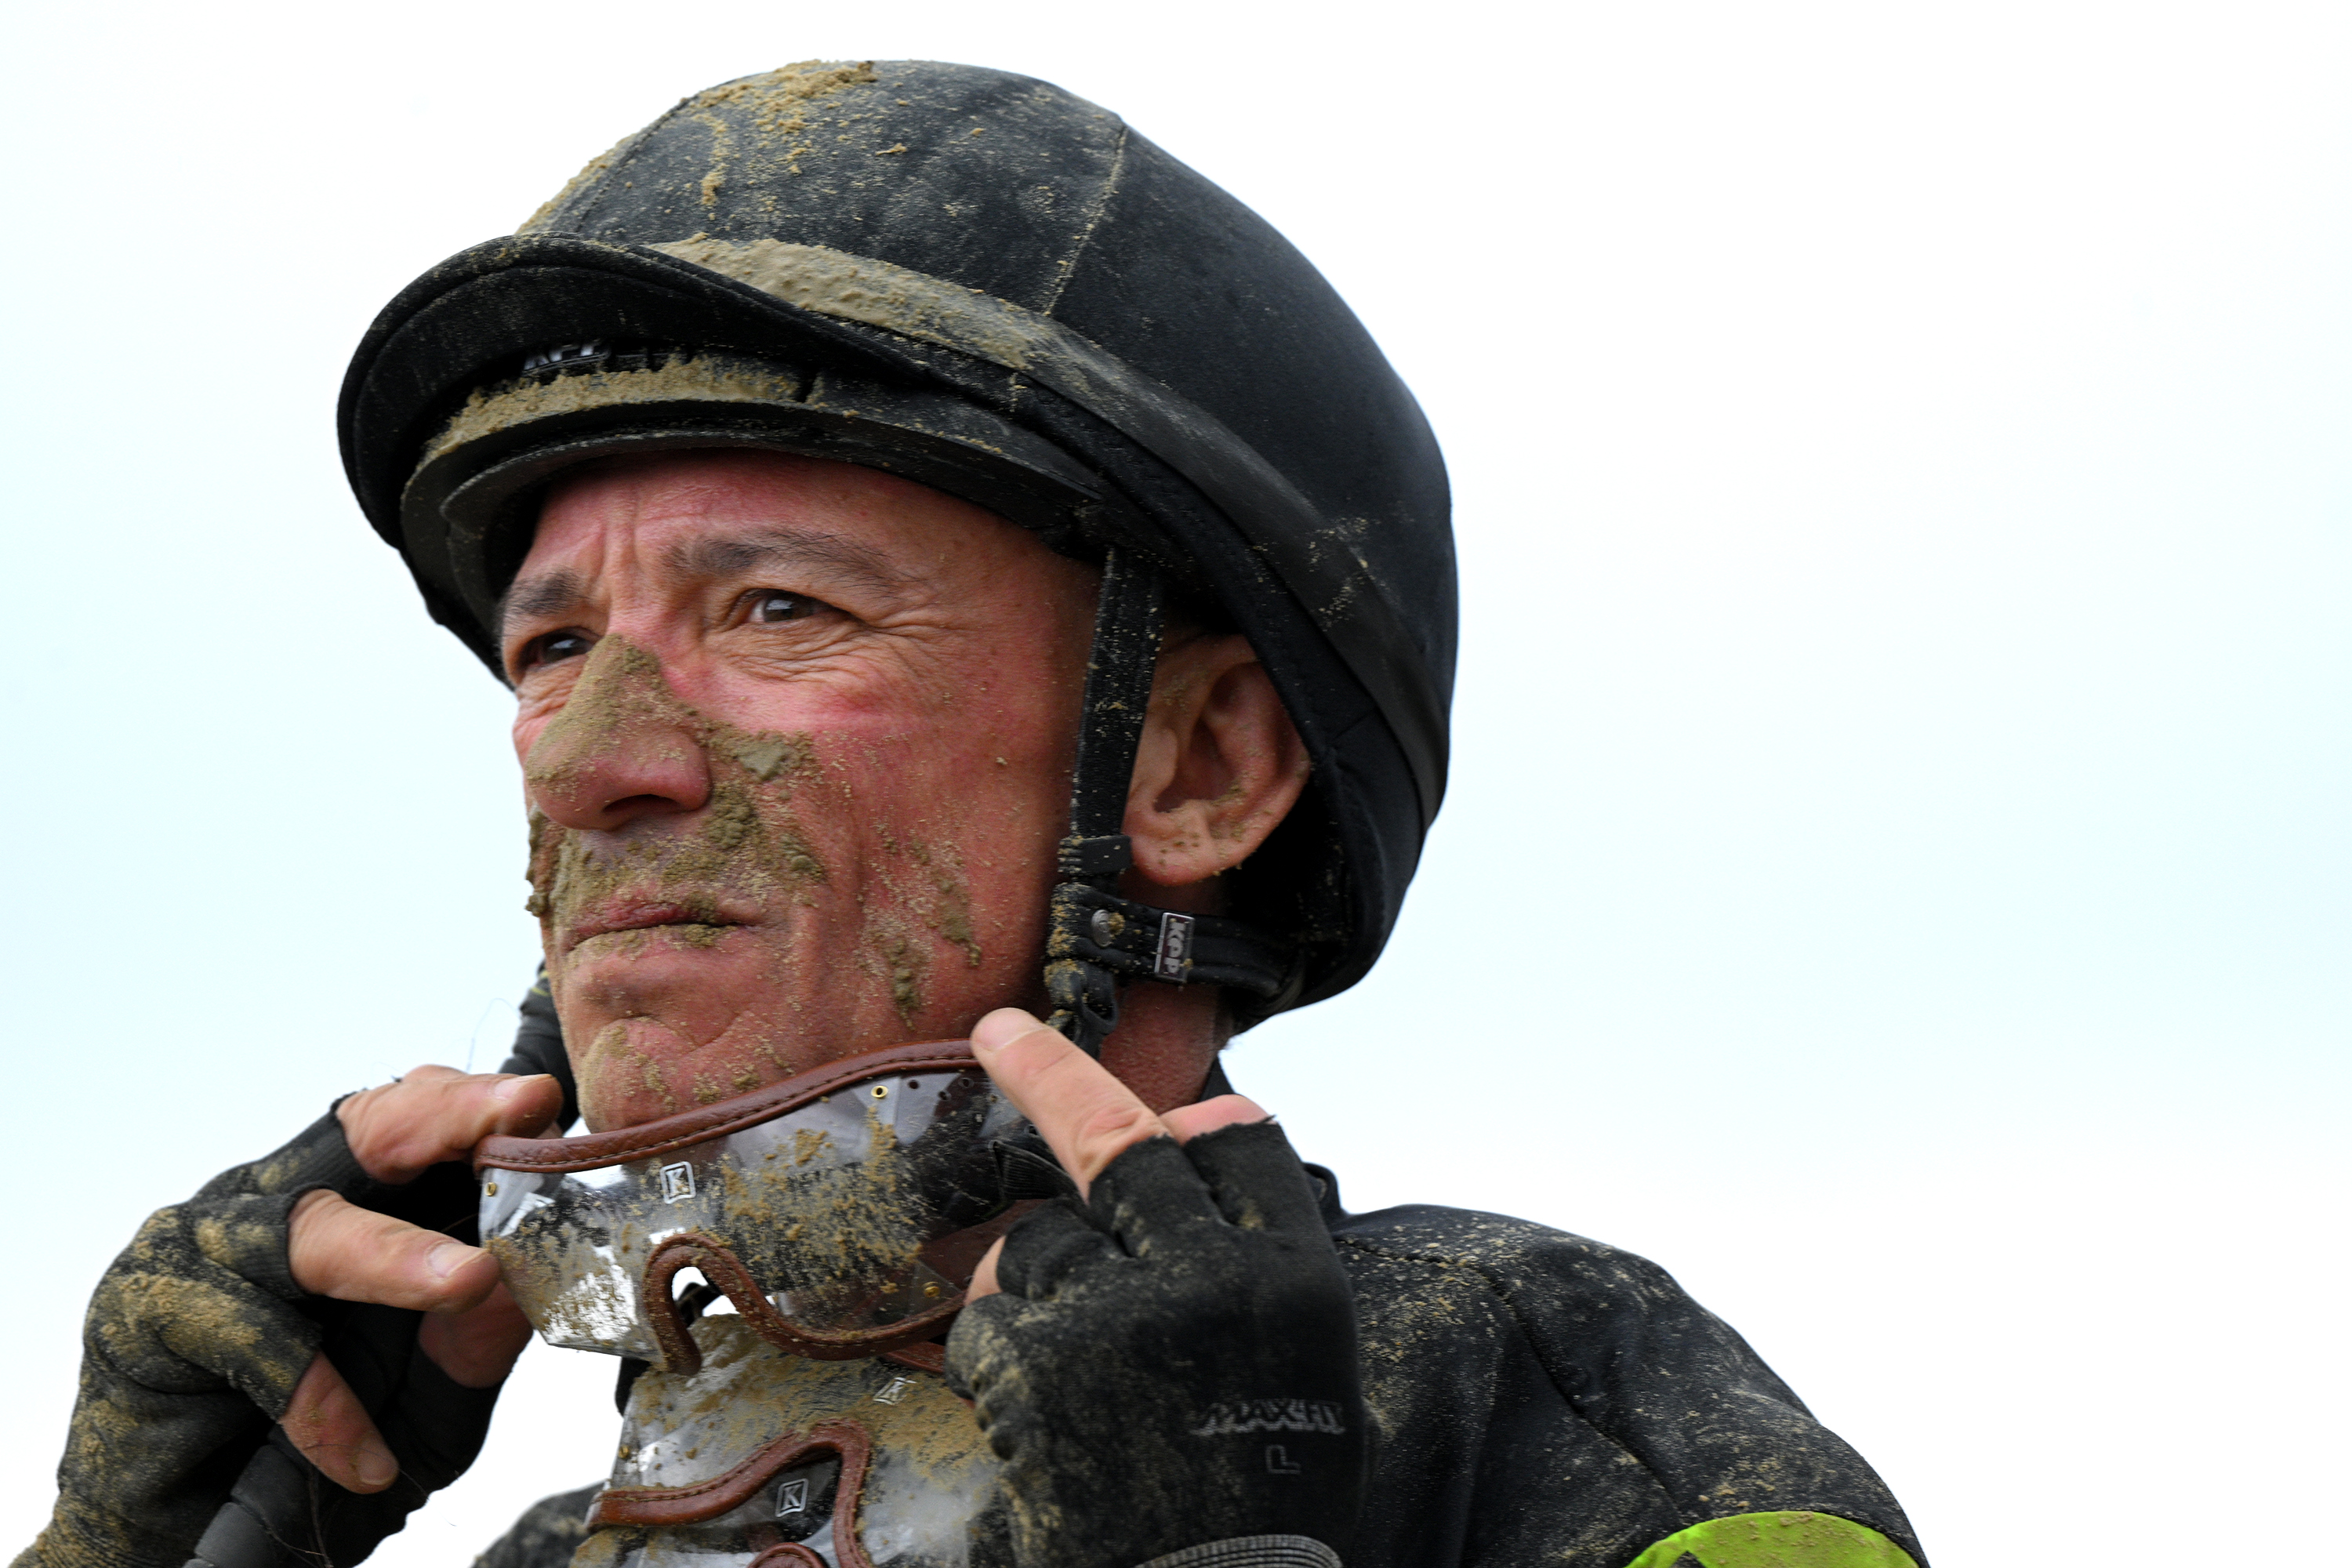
(795, 737)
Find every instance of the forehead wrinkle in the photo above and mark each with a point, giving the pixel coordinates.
(785, 546)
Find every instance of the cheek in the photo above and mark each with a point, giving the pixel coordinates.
(965, 782)
(1009, 739)
(990, 729)
(530, 720)
(977, 771)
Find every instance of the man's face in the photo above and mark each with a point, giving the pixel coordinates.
(796, 739)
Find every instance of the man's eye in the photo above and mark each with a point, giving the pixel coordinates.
(553, 647)
(768, 605)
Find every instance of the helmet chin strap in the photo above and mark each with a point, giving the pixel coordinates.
(1096, 939)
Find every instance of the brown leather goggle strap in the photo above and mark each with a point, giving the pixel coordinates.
(681, 1355)
(954, 1254)
(928, 1356)
(789, 1554)
(688, 1128)
(654, 1508)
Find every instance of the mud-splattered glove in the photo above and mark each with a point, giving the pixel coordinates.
(194, 1343)
(1171, 1371)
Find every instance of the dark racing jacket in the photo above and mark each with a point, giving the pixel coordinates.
(1540, 1399)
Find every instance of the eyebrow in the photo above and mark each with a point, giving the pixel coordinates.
(861, 564)
(548, 595)
(535, 598)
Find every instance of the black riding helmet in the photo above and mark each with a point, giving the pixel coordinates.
(979, 281)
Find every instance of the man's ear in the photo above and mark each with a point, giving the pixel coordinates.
(1220, 764)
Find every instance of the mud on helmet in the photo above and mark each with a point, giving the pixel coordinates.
(984, 284)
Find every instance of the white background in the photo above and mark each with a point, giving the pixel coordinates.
(1896, 873)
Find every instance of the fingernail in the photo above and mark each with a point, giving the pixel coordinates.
(507, 1092)
(1000, 1028)
(448, 1257)
(374, 1463)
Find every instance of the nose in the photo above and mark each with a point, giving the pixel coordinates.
(624, 746)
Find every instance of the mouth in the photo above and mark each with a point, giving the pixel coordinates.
(649, 915)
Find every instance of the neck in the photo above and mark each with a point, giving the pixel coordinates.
(1167, 1038)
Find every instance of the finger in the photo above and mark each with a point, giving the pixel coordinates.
(1187, 1123)
(326, 1422)
(1056, 1242)
(983, 1279)
(1258, 1180)
(478, 1347)
(336, 1248)
(437, 1113)
(1087, 1116)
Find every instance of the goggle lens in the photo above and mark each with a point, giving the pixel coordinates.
(842, 1211)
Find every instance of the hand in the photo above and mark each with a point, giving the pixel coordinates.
(209, 1326)
(1087, 1117)
(473, 1331)
(1172, 1361)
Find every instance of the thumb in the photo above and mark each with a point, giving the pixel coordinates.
(983, 1277)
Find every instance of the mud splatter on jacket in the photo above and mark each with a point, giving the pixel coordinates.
(1542, 1398)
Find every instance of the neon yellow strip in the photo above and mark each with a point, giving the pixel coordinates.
(1777, 1541)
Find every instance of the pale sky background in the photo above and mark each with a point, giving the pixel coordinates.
(1896, 873)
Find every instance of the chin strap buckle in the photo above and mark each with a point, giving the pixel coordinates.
(1093, 929)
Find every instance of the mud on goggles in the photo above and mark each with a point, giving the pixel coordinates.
(840, 1211)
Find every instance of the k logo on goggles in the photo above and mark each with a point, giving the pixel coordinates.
(842, 1211)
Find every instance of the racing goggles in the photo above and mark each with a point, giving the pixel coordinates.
(842, 1211)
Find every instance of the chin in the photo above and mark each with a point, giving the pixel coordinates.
(661, 971)
(638, 1064)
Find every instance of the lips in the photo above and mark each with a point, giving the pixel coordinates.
(641, 914)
